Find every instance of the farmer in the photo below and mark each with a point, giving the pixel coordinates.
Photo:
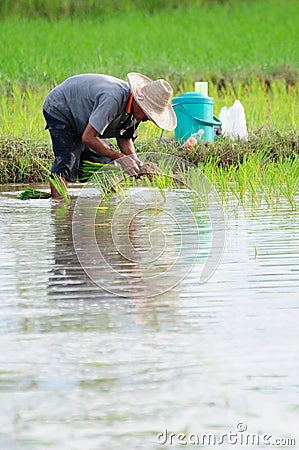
(84, 110)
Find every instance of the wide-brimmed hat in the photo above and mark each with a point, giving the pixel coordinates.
(154, 98)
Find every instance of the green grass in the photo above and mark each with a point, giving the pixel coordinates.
(232, 39)
(21, 109)
(247, 50)
(256, 178)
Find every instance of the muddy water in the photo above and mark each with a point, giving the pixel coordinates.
(82, 367)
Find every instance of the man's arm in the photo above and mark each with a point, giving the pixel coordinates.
(91, 138)
(127, 148)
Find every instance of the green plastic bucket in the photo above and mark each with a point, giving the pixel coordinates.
(194, 111)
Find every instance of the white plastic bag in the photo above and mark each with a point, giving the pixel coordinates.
(234, 121)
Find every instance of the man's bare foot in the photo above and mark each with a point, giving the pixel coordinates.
(54, 193)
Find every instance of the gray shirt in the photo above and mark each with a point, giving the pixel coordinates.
(98, 99)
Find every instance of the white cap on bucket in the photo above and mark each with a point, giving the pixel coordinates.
(201, 87)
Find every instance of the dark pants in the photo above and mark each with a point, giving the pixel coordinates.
(69, 150)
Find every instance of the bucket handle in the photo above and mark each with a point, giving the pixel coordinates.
(216, 123)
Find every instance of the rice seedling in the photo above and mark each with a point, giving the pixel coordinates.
(89, 168)
(288, 174)
(55, 180)
(60, 187)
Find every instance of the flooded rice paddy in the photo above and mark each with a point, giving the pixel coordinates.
(102, 364)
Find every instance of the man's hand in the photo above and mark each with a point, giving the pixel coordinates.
(129, 166)
(136, 159)
(127, 148)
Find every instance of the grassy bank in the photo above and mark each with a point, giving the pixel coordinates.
(82, 8)
(266, 166)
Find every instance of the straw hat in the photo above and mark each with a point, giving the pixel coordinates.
(154, 98)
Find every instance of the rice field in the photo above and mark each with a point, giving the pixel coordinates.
(256, 178)
(245, 50)
(222, 39)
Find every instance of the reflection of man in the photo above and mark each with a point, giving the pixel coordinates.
(85, 109)
(69, 282)
(67, 278)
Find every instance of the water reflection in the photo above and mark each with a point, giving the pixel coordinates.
(73, 290)
(67, 280)
(141, 246)
(82, 368)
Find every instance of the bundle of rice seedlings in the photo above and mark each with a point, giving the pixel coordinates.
(30, 193)
(59, 185)
(88, 168)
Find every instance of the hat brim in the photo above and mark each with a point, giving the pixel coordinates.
(166, 120)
